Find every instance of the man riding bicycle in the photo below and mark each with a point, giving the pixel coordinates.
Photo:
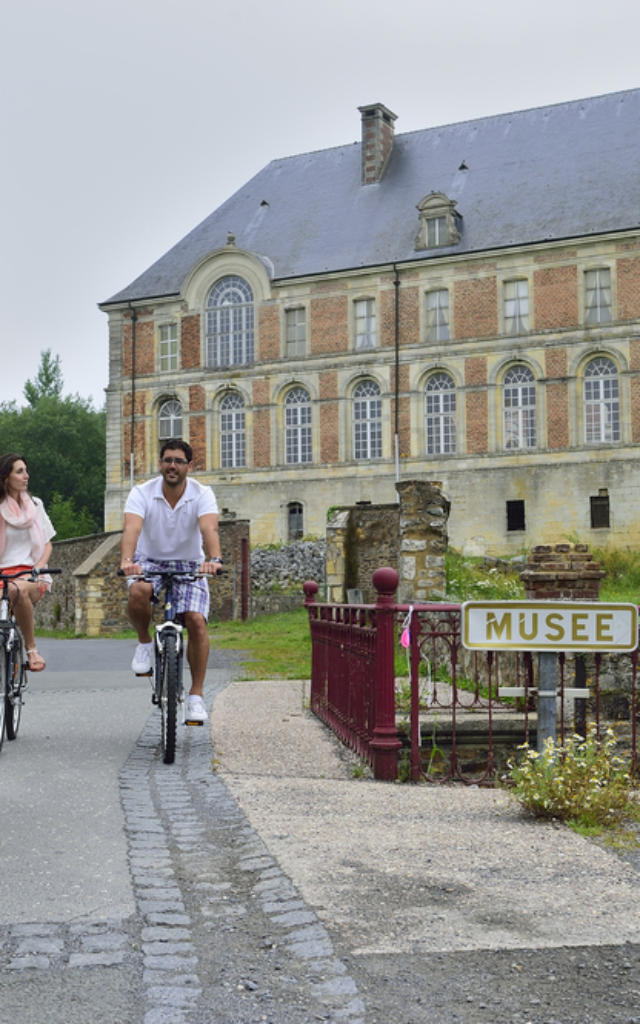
(171, 522)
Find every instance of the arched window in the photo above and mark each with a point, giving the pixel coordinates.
(232, 431)
(169, 420)
(297, 418)
(367, 421)
(601, 401)
(229, 323)
(294, 520)
(519, 406)
(440, 414)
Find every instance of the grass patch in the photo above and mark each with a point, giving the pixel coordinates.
(276, 646)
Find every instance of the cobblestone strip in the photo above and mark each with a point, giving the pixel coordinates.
(170, 980)
(58, 946)
(231, 880)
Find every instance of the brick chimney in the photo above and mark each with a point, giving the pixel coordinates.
(377, 141)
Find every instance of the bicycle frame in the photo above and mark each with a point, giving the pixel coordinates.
(168, 690)
(13, 665)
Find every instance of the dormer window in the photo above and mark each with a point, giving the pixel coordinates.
(439, 222)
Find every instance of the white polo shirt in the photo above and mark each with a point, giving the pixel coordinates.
(171, 533)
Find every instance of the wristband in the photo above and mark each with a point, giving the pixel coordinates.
(218, 560)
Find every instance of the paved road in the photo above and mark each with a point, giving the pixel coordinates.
(134, 892)
(258, 882)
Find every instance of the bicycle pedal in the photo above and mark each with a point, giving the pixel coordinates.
(193, 721)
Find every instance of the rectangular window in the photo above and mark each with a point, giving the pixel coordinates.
(515, 515)
(600, 512)
(168, 346)
(296, 331)
(437, 232)
(438, 315)
(516, 307)
(365, 323)
(597, 292)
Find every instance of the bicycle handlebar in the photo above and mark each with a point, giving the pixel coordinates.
(34, 573)
(173, 573)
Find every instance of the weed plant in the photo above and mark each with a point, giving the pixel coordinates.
(583, 783)
(470, 579)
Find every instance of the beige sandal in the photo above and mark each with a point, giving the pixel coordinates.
(32, 656)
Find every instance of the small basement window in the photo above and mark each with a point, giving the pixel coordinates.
(600, 519)
(515, 515)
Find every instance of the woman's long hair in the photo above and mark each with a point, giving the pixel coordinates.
(7, 463)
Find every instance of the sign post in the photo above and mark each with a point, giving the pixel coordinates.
(548, 627)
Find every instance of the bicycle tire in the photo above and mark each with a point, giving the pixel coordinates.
(15, 683)
(169, 696)
(3, 693)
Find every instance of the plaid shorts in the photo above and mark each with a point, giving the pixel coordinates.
(188, 597)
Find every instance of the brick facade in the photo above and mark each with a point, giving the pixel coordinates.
(555, 349)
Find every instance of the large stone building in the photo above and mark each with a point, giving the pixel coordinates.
(459, 304)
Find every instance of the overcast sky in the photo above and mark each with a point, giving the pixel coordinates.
(125, 123)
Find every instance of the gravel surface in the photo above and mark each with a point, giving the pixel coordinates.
(444, 903)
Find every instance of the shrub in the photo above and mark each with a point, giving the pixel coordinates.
(583, 782)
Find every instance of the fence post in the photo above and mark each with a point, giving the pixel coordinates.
(384, 744)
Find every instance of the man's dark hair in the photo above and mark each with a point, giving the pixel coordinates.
(176, 442)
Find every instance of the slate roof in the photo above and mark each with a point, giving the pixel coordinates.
(555, 172)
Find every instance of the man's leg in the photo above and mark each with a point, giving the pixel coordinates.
(139, 609)
(197, 649)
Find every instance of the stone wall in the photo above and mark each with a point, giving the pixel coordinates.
(410, 536)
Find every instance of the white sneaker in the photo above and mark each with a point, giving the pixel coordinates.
(195, 710)
(142, 663)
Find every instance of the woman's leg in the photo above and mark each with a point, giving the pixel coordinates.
(26, 595)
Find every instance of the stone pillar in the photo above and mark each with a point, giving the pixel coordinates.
(424, 514)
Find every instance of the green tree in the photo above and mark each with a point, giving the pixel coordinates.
(48, 379)
(63, 441)
(68, 520)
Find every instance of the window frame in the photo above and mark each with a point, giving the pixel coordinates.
(521, 413)
(438, 316)
(229, 326)
(233, 434)
(602, 412)
(515, 319)
(172, 419)
(370, 317)
(440, 433)
(295, 509)
(295, 346)
(168, 348)
(366, 415)
(298, 438)
(603, 310)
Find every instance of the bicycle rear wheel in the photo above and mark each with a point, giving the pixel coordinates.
(15, 683)
(3, 693)
(169, 696)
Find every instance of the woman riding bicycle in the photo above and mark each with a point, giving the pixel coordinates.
(25, 543)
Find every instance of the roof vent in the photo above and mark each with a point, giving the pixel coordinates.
(377, 141)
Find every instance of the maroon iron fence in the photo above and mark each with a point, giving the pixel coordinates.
(462, 712)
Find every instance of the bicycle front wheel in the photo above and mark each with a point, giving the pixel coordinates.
(169, 696)
(15, 683)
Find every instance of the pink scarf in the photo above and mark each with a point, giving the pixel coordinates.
(23, 517)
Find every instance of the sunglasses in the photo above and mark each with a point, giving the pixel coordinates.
(171, 461)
